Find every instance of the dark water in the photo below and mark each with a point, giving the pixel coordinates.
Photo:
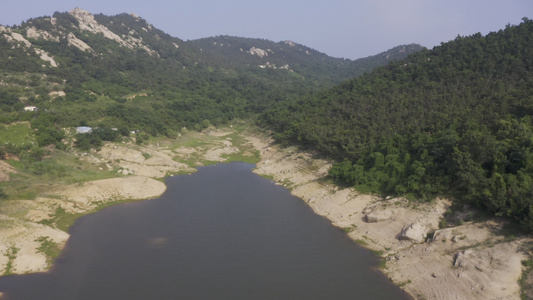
(221, 233)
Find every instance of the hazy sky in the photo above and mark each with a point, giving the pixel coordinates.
(339, 28)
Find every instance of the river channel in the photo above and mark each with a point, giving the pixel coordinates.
(220, 233)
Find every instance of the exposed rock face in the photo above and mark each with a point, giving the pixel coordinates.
(18, 39)
(34, 33)
(88, 23)
(44, 56)
(443, 235)
(383, 210)
(415, 232)
(258, 51)
(462, 258)
(57, 94)
(74, 41)
(379, 216)
(5, 170)
(290, 43)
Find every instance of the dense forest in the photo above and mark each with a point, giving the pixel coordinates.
(455, 120)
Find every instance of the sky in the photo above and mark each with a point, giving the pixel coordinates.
(340, 28)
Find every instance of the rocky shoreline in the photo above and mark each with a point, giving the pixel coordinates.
(470, 261)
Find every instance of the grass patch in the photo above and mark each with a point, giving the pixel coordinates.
(244, 156)
(526, 287)
(313, 168)
(60, 168)
(402, 284)
(349, 229)
(382, 264)
(18, 134)
(103, 204)
(362, 242)
(287, 183)
(14, 163)
(247, 153)
(11, 254)
(525, 281)
(61, 219)
(267, 176)
(192, 142)
(191, 160)
(22, 189)
(49, 248)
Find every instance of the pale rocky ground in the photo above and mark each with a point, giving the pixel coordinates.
(138, 168)
(464, 262)
(5, 170)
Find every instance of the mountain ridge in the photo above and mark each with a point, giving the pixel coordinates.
(103, 60)
(129, 30)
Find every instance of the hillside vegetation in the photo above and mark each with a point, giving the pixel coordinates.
(455, 120)
(120, 71)
(119, 74)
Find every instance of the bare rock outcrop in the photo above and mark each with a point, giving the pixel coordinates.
(87, 22)
(416, 232)
(5, 170)
(384, 210)
(18, 39)
(443, 235)
(258, 51)
(379, 216)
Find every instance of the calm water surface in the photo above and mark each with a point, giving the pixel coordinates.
(221, 233)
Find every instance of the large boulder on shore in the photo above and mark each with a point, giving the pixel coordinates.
(379, 216)
(443, 235)
(384, 210)
(416, 232)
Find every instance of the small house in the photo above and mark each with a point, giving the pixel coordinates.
(83, 129)
(30, 108)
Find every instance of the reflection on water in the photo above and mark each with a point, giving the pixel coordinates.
(221, 233)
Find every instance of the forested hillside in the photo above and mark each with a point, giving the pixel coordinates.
(120, 71)
(119, 74)
(455, 120)
(227, 52)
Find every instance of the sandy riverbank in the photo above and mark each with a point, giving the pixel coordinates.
(470, 261)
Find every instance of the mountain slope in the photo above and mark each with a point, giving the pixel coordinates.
(456, 119)
(121, 71)
(227, 51)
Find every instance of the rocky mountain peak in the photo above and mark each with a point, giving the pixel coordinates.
(88, 22)
(81, 13)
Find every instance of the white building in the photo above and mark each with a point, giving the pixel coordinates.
(83, 129)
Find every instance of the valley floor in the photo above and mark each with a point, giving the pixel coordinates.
(470, 261)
